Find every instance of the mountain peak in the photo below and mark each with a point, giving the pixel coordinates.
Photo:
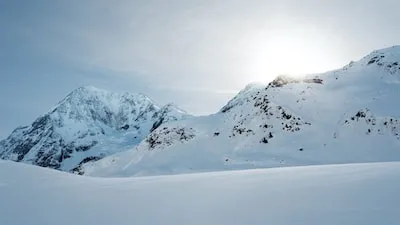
(88, 89)
(392, 49)
(387, 57)
(83, 119)
(173, 107)
(89, 96)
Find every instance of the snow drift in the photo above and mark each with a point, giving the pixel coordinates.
(314, 195)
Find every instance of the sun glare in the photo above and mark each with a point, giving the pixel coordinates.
(293, 53)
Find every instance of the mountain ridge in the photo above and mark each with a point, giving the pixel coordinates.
(83, 119)
(290, 121)
(310, 120)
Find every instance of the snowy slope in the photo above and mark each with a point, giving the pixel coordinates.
(85, 126)
(315, 195)
(348, 115)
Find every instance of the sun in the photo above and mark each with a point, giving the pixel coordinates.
(288, 52)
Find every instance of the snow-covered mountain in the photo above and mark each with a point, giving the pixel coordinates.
(85, 126)
(348, 115)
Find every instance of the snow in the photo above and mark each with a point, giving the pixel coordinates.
(313, 195)
(262, 159)
(88, 123)
(314, 120)
(347, 115)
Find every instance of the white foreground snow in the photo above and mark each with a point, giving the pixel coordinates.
(356, 194)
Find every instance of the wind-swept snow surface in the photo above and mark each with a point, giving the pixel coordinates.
(321, 195)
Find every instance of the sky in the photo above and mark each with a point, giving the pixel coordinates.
(195, 53)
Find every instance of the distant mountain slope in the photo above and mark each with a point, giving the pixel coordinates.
(366, 194)
(86, 125)
(347, 115)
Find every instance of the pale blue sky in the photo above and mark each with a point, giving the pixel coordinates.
(196, 53)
